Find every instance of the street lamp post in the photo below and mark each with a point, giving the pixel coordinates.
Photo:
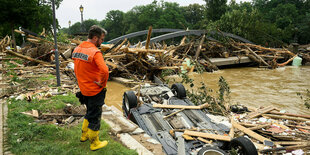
(69, 25)
(81, 10)
(56, 48)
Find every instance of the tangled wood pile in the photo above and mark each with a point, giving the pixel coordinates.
(139, 63)
(272, 130)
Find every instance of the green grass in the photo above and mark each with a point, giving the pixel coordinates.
(46, 78)
(27, 137)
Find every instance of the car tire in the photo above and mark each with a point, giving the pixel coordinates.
(178, 90)
(129, 101)
(243, 146)
(211, 150)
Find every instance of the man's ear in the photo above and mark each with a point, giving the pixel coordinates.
(95, 38)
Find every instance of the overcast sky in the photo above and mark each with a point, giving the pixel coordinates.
(97, 9)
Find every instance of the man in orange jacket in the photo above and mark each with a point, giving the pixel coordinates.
(92, 75)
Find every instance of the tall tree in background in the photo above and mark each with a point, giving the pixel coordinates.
(215, 9)
(171, 16)
(194, 15)
(114, 23)
(30, 14)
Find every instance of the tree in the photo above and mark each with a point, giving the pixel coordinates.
(114, 24)
(194, 14)
(171, 17)
(215, 9)
(88, 23)
(33, 15)
(75, 28)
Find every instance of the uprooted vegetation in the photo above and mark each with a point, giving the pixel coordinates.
(142, 62)
(305, 97)
(218, 105)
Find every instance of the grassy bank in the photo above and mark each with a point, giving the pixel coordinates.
(28, 137)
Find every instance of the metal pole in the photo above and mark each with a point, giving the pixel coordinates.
(56, 48)
(82, 27)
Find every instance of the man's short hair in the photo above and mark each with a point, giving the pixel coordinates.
(96, 30)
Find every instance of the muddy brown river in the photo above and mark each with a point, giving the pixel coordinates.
(249, 86)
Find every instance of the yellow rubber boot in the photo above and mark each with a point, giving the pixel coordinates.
(95, 143)
(84, 136)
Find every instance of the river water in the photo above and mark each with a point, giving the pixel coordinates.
(249, 86)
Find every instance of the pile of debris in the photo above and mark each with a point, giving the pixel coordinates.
(140, 62)
(68, 115)
(273, 131)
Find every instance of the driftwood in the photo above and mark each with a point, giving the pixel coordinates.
(249, 132)
(180, 106)
(27, 58)
(207, 135)
(199, 47)
(260, 58)
(165, 117)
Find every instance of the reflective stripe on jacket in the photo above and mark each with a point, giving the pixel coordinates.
(89, 67)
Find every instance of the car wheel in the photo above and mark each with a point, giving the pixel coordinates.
(243, 146)
(178, 90)
(211, 151)
(129, 101)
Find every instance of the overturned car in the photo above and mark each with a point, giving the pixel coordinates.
(170, 126)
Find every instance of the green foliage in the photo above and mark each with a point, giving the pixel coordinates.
(194, 15)
(33, 15)
(202, 94)
(305, 98)
(224, 89)
(271, 23)
(61, 37)
(27, 137)
(88, 23)
(215, 9)
(114, 23)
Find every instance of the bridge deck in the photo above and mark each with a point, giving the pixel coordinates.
(229, 61)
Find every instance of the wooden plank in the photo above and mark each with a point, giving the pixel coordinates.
(148, 37)
(119, 46)
(105, 47)
(260, 112)
(35, 113)
(291, 142)
(249, 132)
(169, 67)
(27, 58)
(286, 117)
(259, 127)
(187, 137)
(114, 56)
(296, 147)
(207, 135)
(289, 114)
(260, 58)
(303, 127)
(204, 140)
(165, 117)
(199, 47)
(140, 50)
(232, 132)
(180, 106)
(248, 124)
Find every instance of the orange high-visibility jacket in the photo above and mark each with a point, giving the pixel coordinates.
(89, 67)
